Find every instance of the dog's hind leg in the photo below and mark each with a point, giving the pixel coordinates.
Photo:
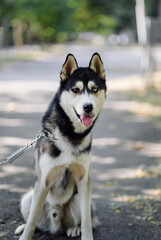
(39, 196)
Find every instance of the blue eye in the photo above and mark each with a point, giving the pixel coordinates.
(95, 89)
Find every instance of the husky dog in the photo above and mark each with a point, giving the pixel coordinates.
(63, 155)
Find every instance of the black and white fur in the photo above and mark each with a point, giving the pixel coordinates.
(61, 198)
(56, 218)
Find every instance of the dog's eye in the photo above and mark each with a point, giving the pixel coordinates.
(75, 90)
(95, 89)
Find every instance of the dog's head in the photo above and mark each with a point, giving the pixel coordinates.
(83, 91)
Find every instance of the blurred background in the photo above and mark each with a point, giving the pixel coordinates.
(27, 26)
(35, 37)
(28, 22)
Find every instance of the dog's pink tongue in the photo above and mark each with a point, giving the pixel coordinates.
(87, 120)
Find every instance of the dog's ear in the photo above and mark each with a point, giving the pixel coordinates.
(68, 67)
(97, 66)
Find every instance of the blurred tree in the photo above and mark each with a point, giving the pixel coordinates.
(40, 20)
(123, 11)
(54, 20)
(88, 17)
(5, 13)
(159, 8)
(152, 7)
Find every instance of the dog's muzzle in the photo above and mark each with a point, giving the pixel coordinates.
(86, 119)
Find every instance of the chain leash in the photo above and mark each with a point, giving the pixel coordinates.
(21, 150)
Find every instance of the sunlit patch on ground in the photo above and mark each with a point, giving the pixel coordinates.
(11, 169)
(2, 234)
(143, 148)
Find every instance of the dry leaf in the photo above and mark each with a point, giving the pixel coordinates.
(138, 146)
(112, 127)
(109, 184)
(117, 210)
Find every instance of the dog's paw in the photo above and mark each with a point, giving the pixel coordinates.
(19, 230)
(87, 237)
(74, 231)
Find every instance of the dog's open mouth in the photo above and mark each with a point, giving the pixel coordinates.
(85, 119)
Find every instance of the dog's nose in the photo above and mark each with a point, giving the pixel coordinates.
(88, 107)
(55, 214)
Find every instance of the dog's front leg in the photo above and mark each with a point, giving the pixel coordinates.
(38, 200)
(84, 189)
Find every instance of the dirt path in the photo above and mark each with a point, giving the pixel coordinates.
(126, 163)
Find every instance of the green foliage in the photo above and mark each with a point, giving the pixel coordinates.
(89, 18)
(123, 11)
(151, 7)
(55, 20)
(41, 20)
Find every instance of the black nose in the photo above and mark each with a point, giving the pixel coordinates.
(88, 107)
(55, 215)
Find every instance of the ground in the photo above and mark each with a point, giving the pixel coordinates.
(126, 162)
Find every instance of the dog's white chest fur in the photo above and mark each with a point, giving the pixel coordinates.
(69, 154)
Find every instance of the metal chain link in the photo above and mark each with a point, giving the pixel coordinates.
(21, 150)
